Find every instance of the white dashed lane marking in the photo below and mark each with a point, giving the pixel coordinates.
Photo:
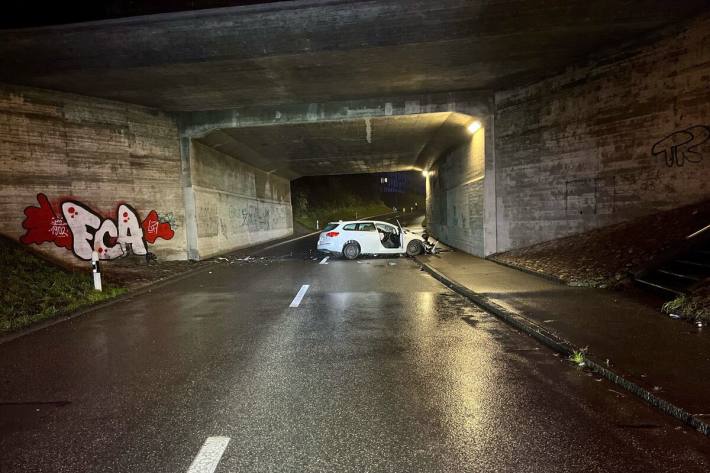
(302, 292)
(209, 455)
(324, 260)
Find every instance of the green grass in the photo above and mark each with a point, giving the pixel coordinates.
(331, 214)
(693, 307)
(577, 357)
(675, 305)
(34, 289)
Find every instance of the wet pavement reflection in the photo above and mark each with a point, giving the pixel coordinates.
(380, 368)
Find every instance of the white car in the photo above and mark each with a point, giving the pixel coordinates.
(354, 238)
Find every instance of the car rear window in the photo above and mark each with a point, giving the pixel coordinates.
(349, 226)
(366, 227)
(330, 226)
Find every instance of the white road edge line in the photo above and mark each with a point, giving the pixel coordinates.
(324, 260)
(287, 241)
(209, 455)
(301, 292)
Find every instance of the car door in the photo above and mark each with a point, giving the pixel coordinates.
(390, 229)
(368, 238)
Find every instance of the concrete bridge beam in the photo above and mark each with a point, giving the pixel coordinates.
(476, 103)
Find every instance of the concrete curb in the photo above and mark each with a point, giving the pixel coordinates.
(560, 345)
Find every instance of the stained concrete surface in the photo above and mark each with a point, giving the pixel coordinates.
(381, 368)
(314, 51)
(97, 152)
(236, 205)
(371, 144)
(456, 201)
(587, 148)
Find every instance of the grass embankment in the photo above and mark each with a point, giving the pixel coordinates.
(609, 256)
(34, 289)
(323, 215)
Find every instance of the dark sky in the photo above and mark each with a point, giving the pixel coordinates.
(26, 13)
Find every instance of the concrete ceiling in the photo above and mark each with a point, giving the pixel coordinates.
(24, 14)
(396, 143)
(317, 51)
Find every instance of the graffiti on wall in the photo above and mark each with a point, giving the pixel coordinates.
(256, 217)
(237, 218)
(81, 230)
(682, 146)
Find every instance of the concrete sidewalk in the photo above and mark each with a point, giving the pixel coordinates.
(666, 358)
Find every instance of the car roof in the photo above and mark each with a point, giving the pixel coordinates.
(346, 222)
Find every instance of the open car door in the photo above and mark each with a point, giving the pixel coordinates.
(390, 238)
(401, 234)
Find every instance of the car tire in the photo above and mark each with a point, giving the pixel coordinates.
(351, 250)
(414, 248)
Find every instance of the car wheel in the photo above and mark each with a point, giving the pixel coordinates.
(414, 248)
(351, 250)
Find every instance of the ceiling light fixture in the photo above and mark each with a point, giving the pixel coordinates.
(474, 127)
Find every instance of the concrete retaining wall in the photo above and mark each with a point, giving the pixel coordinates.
(617, 138)
(455, 197)
(95, 152)
(236, 205)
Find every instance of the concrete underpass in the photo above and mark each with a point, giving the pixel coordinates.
(178, 134)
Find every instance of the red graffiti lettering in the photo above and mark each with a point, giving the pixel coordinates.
(154, 229)
(43, 225)
(81, 230)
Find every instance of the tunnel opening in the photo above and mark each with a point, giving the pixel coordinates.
(323, 170)
(317, 200)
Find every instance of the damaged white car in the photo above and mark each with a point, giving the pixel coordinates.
(354, 238)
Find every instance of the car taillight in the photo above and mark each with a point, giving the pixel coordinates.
(332, 234)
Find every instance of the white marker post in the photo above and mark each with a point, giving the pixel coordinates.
(95, 269)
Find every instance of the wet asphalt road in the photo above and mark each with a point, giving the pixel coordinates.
(379, 368)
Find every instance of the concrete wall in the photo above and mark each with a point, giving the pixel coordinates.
(455, 196)
(605, 142)
(236, 205)
(96, 152)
